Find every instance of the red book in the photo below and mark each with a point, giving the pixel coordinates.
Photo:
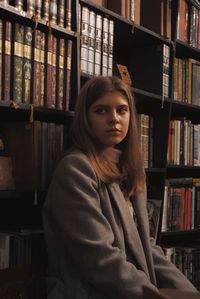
(60, 89)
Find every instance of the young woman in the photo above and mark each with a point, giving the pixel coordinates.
(95, 215)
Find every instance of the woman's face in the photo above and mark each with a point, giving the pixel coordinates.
(109, 118)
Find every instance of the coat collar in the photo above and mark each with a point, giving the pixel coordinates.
(130, 230)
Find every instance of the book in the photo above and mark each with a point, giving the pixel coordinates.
(53, 12)
(6, 63)
(91, 42)
(182, 23)
(98, 45)
(49, 99)
(60, 69)
(38, 9)
(45, 10)
(42, 67)
(36, 69)
(68, 74)
(154, 211)
(84, 38)
(110, 46)
(61, 13)
(27, 65)
(30, 7)
(18, 63)
(68, 14)
(105, 42)
(54, 65)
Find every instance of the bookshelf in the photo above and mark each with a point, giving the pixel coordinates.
(147, 49)
(22, 273)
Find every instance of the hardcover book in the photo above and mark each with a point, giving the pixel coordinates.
(36, 69)
(27, 65)
(6, 75)
(18, 63)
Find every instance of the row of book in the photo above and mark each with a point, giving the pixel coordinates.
(186, 81)
(58, 12)
(187, 260)
(183, 143)
(40, 143)
(188, 26)
(97, 37)
(35, 68)
(145, 123)
(181, 208)
(20, 248)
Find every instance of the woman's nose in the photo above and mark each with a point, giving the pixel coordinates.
(114, 117)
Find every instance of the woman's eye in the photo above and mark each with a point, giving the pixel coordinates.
(100, 110)
(122, 110)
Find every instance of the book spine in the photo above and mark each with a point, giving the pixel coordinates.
(31, 7)
(105, 47)
(42, 69)
(38, 9)
(61, 74)
(54, 52)
(27, 66)
(61, 13)
(7, 61)
(49, 102)
(84, 38)
(98, 45)
(91, 42)
(166, 67)
(19, 4)
(110, 47)
(45, 10)
(18, 63)
(53, 11)
(68, 74)
(68, 14)
(36, 69)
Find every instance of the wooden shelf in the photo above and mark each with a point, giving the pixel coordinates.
(180, 238)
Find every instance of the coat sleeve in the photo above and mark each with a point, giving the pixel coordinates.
(73, 211)
(167, 274)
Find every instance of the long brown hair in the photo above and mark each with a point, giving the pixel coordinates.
(131, 170)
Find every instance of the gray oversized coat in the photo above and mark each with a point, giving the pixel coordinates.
(95, 250)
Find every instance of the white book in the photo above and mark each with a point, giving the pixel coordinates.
(98, 45)
(84, 38)
(110, 47)
(91, 42)
(105, 47)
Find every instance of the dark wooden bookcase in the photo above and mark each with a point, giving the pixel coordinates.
(21, 209)
(141, 50)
